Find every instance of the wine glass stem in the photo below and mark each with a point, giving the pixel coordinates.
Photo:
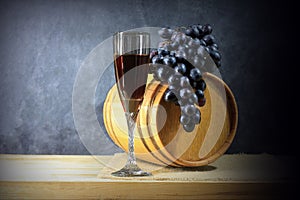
(131, 125)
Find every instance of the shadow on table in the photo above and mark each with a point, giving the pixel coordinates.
(191, 169)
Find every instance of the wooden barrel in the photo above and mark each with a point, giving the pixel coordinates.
(159, 137)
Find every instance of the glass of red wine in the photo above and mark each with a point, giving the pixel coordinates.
(131, 64)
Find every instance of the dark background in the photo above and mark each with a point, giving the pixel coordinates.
(42, 44)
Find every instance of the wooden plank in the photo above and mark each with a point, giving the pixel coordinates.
(139, 190)
(87, 177)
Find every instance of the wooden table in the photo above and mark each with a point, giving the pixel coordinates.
(87, 177)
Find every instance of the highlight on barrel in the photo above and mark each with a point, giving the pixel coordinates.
(159, 137)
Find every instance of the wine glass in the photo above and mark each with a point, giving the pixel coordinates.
(131, 54)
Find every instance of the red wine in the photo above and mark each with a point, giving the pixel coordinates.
(131, 80)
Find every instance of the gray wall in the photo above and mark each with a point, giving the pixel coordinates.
(42, 44)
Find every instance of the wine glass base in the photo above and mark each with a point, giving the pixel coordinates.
(130, 171)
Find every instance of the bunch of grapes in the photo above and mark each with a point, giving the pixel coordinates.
(177, 63)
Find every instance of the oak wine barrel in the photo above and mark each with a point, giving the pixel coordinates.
(159, 136)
